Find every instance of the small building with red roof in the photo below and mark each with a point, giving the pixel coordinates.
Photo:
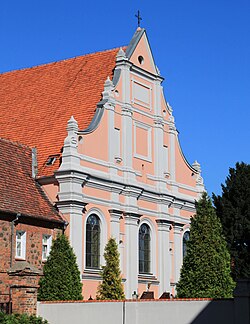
(28, 223)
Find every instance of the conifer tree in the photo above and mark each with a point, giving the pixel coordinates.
(206, 268)
(61, 280)
(233, 209)
(111, 286)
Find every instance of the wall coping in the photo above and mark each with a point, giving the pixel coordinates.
(132, 300)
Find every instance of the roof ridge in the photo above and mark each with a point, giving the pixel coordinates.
(16, 143)
(63, 60)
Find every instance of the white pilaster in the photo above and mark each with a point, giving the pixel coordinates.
(75, 211)
(110, 108)
(132, 267)
(157, 98)
(127, 144)
(178, 228)
(115, 216)
(164, 260)
(158, 151)
(70, 189)
(76, 237)
(131, 194)
(124, 65)
(172, 137)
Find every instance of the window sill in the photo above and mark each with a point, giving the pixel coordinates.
(94, 274)
(146, 277)
(20, 259)
(92, 270)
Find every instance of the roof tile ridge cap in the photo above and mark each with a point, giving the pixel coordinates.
(16, 143)
(104, 51)
(61, 60)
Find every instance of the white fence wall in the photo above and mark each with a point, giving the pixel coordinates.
(228, 311)
(139, 312)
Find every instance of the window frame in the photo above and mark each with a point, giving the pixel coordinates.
(148, 261)
(103, 239)
(91, 244)
(48, 244)
(184, 241)
(22, 241)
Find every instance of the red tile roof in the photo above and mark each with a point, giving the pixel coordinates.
(36, 103)
(19, 192)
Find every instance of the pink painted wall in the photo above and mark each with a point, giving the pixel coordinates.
(94, 149)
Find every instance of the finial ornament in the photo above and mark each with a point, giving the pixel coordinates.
(196, 165)
(108, 84)
(139, 18)
(121, 54)
(72, 125)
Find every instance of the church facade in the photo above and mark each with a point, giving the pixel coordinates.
(110, 160)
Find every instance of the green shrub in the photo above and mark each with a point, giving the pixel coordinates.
(206, 267)
(233, 209)
(111, 286)
(61, 280)
(21, 319)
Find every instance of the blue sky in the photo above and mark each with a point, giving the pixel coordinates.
(202, 48)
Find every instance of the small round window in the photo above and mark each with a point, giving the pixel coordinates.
(141, 59)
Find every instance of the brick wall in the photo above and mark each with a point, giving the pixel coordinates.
(34, 236)
(5, 244)
(17, 279)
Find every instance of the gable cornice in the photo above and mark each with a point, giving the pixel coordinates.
(134, 41)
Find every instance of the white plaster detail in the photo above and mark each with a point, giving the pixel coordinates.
(141, 94)
(127, 142)
(143, 112)
(172, 135)
(158, 152)
(199, 180)
(108, 89)
(158, 70)
(70, 156)
(115, 216)
(102, 163)
(165, 162)
(164, 258)
(157, 98)
(116, 141)
(178, 229)
(120, 55)
(131, 251)
(170, 109)
(115, 224)
(70, 188)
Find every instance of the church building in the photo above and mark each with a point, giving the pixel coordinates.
(109, 159)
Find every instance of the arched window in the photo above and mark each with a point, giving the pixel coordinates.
(186, 236)
(93, 242)
(144, 249)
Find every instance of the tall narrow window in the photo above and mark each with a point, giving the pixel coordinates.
(184, 242)
(144, 249)
(47, 241)
(20, 244)
(93, 242)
